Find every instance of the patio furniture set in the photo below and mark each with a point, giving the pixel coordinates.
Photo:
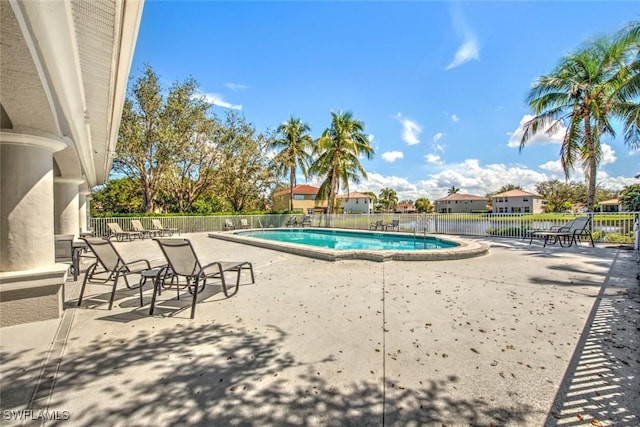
(138, 230)
(379, 224)
(182, 270)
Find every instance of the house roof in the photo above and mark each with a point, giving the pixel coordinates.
(299, 189)
(610, 202)
(354, 195)
(516, 193)
(460, 196)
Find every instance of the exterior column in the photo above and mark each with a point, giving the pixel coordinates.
(83, 209)
(26, 201)
(66, 205)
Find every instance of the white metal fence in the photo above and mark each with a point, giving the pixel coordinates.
(605, 227)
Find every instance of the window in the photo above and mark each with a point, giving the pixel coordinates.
(525, 199)
(526, 209)
(357, 201)
(298, 197)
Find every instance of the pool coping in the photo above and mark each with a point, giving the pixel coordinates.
(466, 248)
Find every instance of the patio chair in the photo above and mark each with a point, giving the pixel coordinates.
(116, 231)
(306, 220)
(108, 258)
(244, 223)
(376, 225)
(183, 262)
(228, 224)
(393, 225)
(292, 222)
(567, 235)
(168, 231)
(528, 233)
(137, 226)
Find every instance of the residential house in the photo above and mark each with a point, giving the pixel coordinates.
(406, 207)
(518, 201)
(304, 199)
(461, 203)
(356, 203)
(611, 205)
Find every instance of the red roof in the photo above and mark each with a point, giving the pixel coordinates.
(299, 189)
(354, 195)
(516, 193)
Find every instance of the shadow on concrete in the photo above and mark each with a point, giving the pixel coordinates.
(221, 375)
(601, 385)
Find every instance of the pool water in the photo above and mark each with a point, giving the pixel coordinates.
(350, 240)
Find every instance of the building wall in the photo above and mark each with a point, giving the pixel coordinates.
(357, 205)
(301, 202)
(518, 204)
(460, 206)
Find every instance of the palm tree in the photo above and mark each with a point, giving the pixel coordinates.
(389, 198)
(453, 190)
(629, 38)
(338, 153)
(296, 144)
(585, 91)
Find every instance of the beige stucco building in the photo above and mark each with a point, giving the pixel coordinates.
(65, 67)
(304, 199)
(518, 201)
(460, 203)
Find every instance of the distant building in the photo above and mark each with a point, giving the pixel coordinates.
(461, 203)
(304, 199)
(356, 203)
(406, 207)
(518, 201)
(611, 205)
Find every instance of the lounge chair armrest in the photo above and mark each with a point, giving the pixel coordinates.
(143, 264)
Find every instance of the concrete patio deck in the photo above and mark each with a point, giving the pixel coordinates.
(524, 335)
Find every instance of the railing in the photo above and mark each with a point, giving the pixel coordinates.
(605, 227)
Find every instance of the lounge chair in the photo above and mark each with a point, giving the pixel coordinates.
(112, 264)
(306, 220)
(116, 231)
(228, 224)
(136, 225)
(292, 222)
(376, 225)
(393, 225)
(244, 223)
(183, 262)
(168, 231)
(566, 235)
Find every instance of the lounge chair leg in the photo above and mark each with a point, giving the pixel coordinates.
(113, 291)
(87, 274)
(195, 297)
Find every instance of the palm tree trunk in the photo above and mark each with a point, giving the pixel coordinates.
(592, 164)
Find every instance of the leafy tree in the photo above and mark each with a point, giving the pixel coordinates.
(630, 197)
(140, 151)
(191, 134)
(244, 174)
(423, 205)
(296, 145)
(559, 195)
(120, 195)
(453, 190)
(388, 198)
(338, 153)
(588, 88)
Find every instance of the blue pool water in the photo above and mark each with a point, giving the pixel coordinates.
(350, 240)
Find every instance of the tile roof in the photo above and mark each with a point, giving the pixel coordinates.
(299, 189)
(354, 195)
(516, 193)
(460, 196)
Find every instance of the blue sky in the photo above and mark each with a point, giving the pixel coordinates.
(440, 86)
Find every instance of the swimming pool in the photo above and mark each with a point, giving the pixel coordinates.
(340, 244)
(350, 240)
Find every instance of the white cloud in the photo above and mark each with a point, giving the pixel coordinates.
(539, 138)
(455, 118)
(466, 52)
(235, 86)
(411, 130)
(434, 159)
(371, 137)
(608, 155)
(216, 99)
(392, 156)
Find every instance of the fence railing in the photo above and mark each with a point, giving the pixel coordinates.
(605, 227)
